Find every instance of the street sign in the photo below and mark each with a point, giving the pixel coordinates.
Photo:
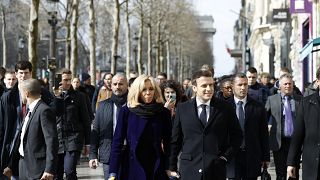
(280, 15)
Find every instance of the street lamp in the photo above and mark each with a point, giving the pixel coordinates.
(52, 42)
(135, 50)
(21, 45)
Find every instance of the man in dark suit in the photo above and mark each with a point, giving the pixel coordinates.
(73, 126)
(105, 123)
(207, 133)
(254, 150)
(12, 111)
(281, 109)
(306, 137)
(38, 142)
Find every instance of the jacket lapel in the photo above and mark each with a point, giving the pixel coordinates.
(194, 111)
(31, 117)
(213, 111)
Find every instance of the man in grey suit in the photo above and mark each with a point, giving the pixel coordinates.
(281, 110)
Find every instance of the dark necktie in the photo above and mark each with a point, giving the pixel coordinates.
(288, 125)
(203, 114)
(240, 114)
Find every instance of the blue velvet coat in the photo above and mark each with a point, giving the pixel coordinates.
(129, 127)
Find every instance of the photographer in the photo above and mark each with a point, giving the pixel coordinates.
(73, 125)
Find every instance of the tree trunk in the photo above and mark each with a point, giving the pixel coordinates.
(33, 35)
(168, 59)
(140, 40)
(92, 36)
(116, 24)
(74, 38)
(158, 48)
(149, 50)
(4, 41)
(128, 40)
(68, 34)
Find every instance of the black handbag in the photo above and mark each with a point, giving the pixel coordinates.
(265, 174)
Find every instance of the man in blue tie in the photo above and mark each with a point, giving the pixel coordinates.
(281, 110)
(254, 149)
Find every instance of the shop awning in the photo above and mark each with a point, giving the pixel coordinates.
(309, 48)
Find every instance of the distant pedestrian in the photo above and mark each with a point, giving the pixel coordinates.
(103, 91)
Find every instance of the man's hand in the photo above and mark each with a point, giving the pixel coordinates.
(93, 163)
(47, 176)
(172, 174)
(7, 172)
(291, 171)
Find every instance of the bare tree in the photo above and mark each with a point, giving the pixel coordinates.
(33, 34)
(68, 33)
(3, 34)
(116, 24)
(74, 37)
(128, 37)
(92, 47)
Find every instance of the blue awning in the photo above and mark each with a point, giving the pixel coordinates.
(308, 48)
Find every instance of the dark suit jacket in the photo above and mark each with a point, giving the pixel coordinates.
(306, 137)
(40, 142)
(256, 138)
(202, 146)
(10, 121)
(274, 108)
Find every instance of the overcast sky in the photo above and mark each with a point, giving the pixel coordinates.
(224, 21)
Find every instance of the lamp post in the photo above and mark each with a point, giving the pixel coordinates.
(21, 45)
(135, 50)
(52, 42)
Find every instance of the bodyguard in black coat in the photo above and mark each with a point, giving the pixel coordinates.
(37, 142)
(306, 137)
(254, 150)
(206, 132)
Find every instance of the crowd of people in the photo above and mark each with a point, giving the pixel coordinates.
(154, 128)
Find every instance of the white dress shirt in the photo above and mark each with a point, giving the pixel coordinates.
(199, 108)
(244, 100)
(24, 126)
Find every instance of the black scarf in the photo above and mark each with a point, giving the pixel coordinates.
(147, 110)
(119, 101)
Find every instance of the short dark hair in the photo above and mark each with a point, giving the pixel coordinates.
(131, 81)
(252, 70)
(64, 71)
(239, 75)
(23, 65)
(2, 72)
(163, 74)
(33, 86)
(199, 74)
(173, 85)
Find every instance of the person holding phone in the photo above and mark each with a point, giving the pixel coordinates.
(172, 93)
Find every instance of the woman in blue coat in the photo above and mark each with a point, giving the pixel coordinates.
(144, 125)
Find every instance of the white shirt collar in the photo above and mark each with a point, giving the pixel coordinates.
(244, 100)
(33, 104)
(200, 103)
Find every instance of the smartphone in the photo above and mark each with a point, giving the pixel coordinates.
(57, 81)
(173, 96)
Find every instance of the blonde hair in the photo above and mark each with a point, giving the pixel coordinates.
(137, 87)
